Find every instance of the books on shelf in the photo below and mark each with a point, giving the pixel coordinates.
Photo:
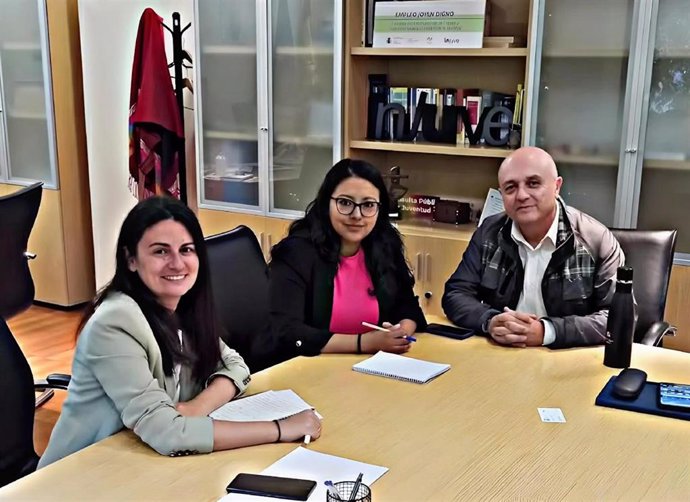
(402, 96)
(469, 104)
(400, 367)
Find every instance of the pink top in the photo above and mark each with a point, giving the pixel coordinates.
(352, 302)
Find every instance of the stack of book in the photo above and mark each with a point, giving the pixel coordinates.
(475, 100)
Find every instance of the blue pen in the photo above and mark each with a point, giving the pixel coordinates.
(410, 338)
(331, 489)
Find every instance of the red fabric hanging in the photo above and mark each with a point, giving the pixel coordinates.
(155, 129)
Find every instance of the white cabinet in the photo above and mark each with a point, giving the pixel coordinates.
(268, 102)
(612, 105)
(27, 136)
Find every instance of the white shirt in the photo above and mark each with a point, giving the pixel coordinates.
(534, 261)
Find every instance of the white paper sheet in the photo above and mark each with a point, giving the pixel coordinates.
(306, 464)
(554, 415)
(269, 405)
(492, 205)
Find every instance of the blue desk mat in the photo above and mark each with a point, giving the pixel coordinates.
(646, 402)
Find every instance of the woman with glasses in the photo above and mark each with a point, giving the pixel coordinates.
(341, 265)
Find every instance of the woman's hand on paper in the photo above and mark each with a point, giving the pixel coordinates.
(304, 423)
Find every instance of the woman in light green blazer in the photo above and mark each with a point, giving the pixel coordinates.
(148, 356)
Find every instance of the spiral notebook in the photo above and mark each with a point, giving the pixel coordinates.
(404, 368)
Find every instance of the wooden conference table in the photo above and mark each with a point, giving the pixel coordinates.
(472, 434)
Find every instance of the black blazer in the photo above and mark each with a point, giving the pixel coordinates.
(301, 299)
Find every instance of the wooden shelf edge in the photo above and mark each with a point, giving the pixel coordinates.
(589, 160)
(322, 141)
(674, 165)
(604, 160)
(228, 49)
(432, 148)
(412, 52)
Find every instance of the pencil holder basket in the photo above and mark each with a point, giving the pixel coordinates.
(344, 489)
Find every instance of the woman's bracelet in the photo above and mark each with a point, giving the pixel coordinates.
(359, 343)
(280, 433)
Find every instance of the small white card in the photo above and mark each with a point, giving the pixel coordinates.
(551, 415)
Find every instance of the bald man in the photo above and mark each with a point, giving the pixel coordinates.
(542, 273)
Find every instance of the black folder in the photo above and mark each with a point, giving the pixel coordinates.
(646, 402)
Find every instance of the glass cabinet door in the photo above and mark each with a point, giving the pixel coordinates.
(228, 64)
(580, 97)
(25, 91)
(302, 42)
(665, 186)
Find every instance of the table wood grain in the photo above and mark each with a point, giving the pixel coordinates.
(473, 433)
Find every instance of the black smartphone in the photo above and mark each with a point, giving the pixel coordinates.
(449, 331)
(271, 486)
(675, 396)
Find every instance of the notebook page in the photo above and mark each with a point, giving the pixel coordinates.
(401, 367)
(269, 405)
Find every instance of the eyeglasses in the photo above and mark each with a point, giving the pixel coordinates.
(346, 207)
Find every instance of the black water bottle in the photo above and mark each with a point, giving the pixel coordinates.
(621, 324)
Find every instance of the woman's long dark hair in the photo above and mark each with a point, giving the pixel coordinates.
(383, 247)
(195, 313)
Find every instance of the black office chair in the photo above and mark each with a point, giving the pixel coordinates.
(17, 455)
(18, 213)
(239, 277)
(650, 254)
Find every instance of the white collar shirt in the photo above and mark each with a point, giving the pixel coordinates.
(534, 262)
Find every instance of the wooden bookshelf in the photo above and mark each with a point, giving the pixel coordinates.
(460, 172)
(495, 69)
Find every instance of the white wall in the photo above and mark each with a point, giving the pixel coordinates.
(108, 33)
